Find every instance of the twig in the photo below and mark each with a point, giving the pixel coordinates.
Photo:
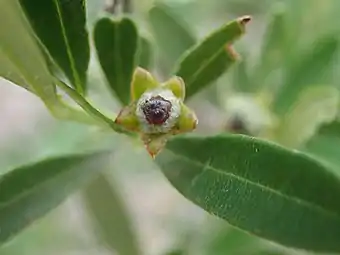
(111, 6)
(127, 6)
(87, 107)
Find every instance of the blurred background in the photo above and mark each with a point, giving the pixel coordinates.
(143, 213)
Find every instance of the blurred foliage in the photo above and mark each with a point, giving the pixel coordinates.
(285, 88)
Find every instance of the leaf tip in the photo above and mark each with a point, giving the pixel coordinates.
(245, 19)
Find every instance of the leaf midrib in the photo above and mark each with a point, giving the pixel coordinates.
(68, 50)
(118, 62)
(32, 189)
(296, 200)
(204, 65)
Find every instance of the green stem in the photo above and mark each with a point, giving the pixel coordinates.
(111, 6)
(60, 110)
(87, 107)
(127, 6)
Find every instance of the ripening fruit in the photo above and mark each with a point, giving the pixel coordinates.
(157, 110)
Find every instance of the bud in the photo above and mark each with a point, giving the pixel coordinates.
(157, 110)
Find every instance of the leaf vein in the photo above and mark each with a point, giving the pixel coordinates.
(68, 50)
(206, 63)
(262, 186)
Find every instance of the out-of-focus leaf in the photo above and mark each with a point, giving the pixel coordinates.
(231, 241)
(274, 39)
(314, 106)
(29, 192)
(325, 144)
(171, 33)
(257, 186)
(313, 67)
(175, 252)
(269, 252)
(60, 25)
(110, 217)
(21, 61)
(145, 54)
(207, 61)
(274, 47)
(117, 44)
(241, 79)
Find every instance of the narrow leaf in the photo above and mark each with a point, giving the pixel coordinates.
(175, 252)
(268, 252)
(28, 193)
(110, 217)
(314, 106)
(257, 186)
(211, 58)
(60, 25)
(241, 79)
(232, 241)
(172, 34)
(21, 61)
(116, 44)
(145, 54)
(314, 67)
(273, 48)
(325, 144)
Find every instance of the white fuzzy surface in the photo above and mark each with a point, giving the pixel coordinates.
(167, 94)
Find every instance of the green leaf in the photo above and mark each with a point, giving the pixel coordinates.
(171, 33)
(314, 106)
(232, 241)
(262, 188)
(241, 79)
(175, 252)
(22, 62)
(274, 47)
(325, 144)
(20, 59)
(117, 44)
(60, 25)
(110, 217)
(314, 67)
(274, 39)
(145, 54)
(29, 192)
(211, 58)
(268, 252)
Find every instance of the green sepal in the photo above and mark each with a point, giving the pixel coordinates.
(127, 118)
(187, 120)
(177, 86)
(142, 81)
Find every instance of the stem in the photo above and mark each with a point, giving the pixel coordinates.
(60, 110)
(127, 6)
(87, 107)
(111, 6)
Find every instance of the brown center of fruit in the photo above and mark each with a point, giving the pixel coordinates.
(157, 110)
